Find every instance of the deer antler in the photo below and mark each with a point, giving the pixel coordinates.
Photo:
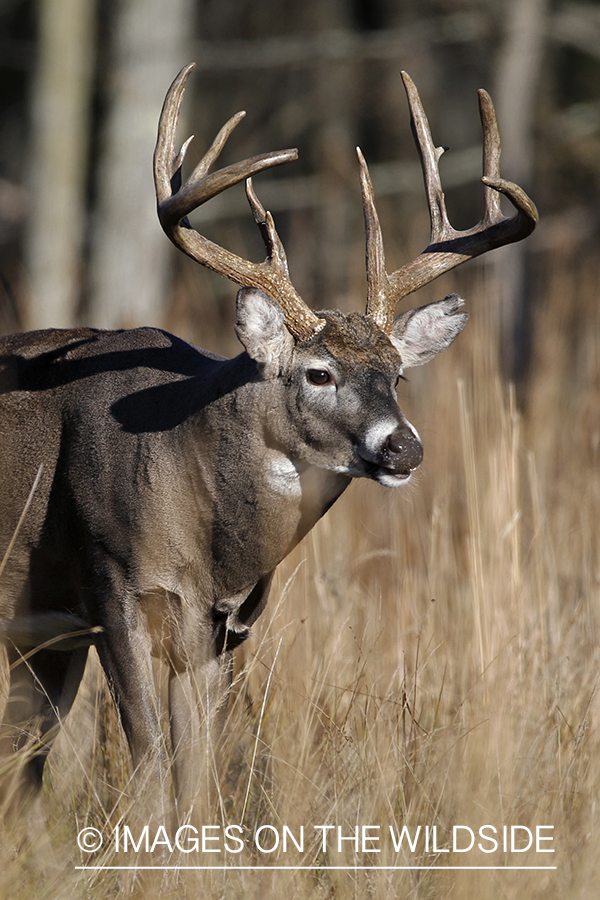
(176, 201)
(447, 247)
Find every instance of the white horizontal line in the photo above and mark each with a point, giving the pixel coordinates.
(316, 868)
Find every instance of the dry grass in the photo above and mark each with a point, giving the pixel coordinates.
(431, 658)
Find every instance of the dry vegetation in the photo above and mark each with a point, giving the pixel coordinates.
(427, 658)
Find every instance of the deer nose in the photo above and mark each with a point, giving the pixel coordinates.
(403, 449)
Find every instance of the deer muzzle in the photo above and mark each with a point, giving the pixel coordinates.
(402, 450)
(392, 454)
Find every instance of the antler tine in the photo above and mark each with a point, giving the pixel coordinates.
(377, 281)
(430, 159)
(491, 155)
(176, 201)
(527, 215)
(447, 247)
(263, 218)
(166, 161)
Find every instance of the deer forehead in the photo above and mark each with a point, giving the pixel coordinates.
(354, 341)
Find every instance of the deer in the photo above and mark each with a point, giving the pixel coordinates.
(150, 488)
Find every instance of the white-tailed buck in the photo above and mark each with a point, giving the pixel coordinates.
(170, 482)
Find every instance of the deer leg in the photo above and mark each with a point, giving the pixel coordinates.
(124, 648)
(185, 741)
(198, 704)
(42, 691)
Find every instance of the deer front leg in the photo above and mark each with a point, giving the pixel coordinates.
(198, 699)
(125, 653)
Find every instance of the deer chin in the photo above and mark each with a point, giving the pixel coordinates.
(391, 479)
(385, 475)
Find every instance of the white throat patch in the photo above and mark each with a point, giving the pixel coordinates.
(282, 475)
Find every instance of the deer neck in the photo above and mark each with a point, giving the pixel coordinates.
(256, 499)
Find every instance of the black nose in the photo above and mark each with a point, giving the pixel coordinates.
(403, 449)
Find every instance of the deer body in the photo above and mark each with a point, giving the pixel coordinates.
(175, 481)
(171, 481)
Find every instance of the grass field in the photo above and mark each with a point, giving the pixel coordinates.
(427, 658)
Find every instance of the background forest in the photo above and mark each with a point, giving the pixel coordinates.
(81, 84)
(428, 656)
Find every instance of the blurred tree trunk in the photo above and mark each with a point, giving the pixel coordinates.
(60, 114)
(336, 95)
(130, 253)
(518, 74)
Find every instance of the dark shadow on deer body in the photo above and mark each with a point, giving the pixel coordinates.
(175, 481)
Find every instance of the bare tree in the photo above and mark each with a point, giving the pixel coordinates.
(129, 259)
(517, 78)
(60, 112)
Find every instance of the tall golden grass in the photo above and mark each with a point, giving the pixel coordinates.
(428, 657)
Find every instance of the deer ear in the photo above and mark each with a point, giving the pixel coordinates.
(420, 333)
(262, 330)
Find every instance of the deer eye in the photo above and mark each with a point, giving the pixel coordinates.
(319, 376)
